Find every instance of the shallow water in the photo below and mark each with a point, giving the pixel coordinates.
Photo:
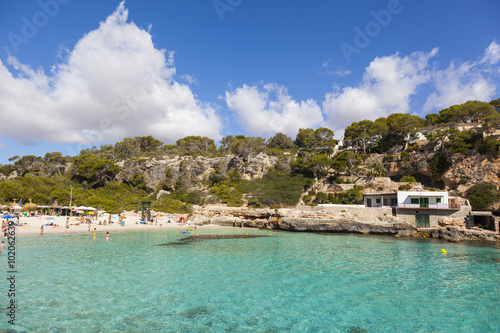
(287, 282)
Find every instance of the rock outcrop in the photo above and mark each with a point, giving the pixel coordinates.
(196, 167)
(339, 219)
(456, 235)
(327, 219)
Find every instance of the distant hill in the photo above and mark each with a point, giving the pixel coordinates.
(456, 149)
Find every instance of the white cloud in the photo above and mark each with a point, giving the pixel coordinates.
(340, 71)
(113, 84)
(387, 86)
(466, 81)
(492, 53)
(269, 110)
(2, 145)
(191, 79)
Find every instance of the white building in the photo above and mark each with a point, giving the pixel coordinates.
(421, 208)
(424, 199)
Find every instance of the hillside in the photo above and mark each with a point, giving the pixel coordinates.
(456, 150)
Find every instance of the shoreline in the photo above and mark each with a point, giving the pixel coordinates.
(34, 226)
(340, 226)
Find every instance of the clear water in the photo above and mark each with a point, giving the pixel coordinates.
(289, 282)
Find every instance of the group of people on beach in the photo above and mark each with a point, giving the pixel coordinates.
(4, 228)
(5, 233)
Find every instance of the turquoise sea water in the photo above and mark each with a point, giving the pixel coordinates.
(287, 282)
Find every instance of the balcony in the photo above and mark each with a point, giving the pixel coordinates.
(429, 206)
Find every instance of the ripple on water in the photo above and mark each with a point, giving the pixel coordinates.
(288, 282)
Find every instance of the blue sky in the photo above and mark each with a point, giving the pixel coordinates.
(76, 74)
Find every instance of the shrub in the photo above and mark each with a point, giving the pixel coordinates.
(321, 198)
(404, 187)
(254, 203)
(405, 157)
(282, 189)
(341, 181)
(408, 179)
(439, 164)
(389, 158)
(170, 205)
(483, 195)
(227, 195)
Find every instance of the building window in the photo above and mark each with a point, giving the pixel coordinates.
(438, 200)
(377, 201)
(414, 200)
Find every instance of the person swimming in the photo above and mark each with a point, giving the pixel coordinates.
(107, 235)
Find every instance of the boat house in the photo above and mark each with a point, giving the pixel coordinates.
(420, 208)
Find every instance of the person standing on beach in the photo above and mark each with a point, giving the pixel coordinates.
(67, 223)
(41, 230)
(2, 245)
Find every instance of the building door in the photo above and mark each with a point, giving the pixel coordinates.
(422, 221)
(424, 202)
(368, 202)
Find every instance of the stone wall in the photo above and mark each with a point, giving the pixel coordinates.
(435, 215)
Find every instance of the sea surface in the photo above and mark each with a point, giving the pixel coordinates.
(283, 282)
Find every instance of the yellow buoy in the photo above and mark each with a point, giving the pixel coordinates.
(246, 233)
(347, 242)
(443, 251)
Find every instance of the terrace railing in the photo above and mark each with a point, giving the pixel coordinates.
(428, 206)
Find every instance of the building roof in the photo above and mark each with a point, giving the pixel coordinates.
(378, 194)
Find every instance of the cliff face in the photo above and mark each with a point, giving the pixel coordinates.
(469, 170)
(196, 167)
(464, 172)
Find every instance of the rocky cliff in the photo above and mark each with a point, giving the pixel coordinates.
(196, 167)
(338, 219)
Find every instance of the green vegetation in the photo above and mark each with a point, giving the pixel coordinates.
(483, 195)
(408, 179)
(275, 188)
(439, 164)
(353, 196)
(171, 205)
(117, 177)
(114, 196)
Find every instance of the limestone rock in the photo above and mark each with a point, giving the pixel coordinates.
(162, 193)
(446, 221)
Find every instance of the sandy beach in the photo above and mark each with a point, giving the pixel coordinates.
(32, 225)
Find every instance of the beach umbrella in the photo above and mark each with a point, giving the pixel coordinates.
(8, 217)
(91, 208)
(30, 207)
